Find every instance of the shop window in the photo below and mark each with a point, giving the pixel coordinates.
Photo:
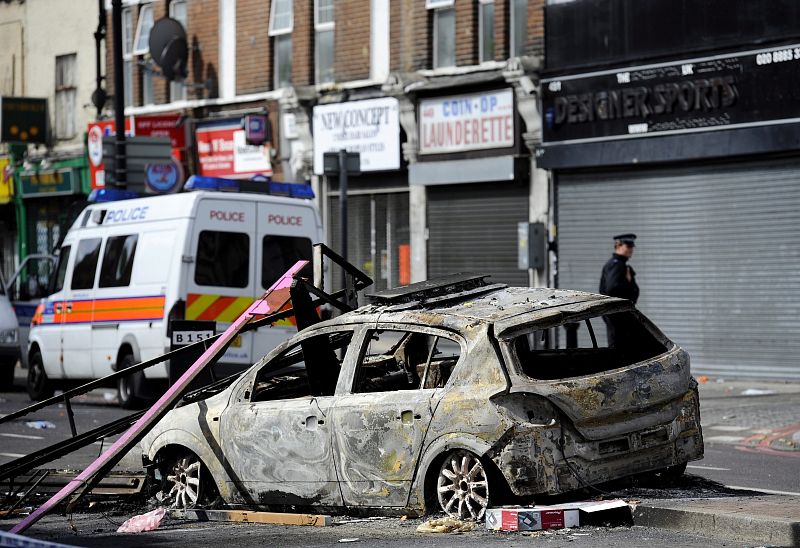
(309, 368)
(486, 30)
(127, 54)
(86, 263)
(223, 259)
(66, 88)
(444, 32)
(323, 40)
(61, 272)
(141, 47)
(279, 253)
(519, 27)
(177, 10)
(118, 261)
(405, 360)
(281, 22)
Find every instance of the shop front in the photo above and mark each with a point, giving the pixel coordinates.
(378, 238)
(476, 183)
(700, 157)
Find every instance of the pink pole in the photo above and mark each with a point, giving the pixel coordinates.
(268, 303)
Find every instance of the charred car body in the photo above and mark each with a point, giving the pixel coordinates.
(440, 395)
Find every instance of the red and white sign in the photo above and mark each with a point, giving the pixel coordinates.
(94, 144)
(473, 121)
(224, 152)
(162, 125)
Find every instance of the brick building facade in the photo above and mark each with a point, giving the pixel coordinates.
(350, 59)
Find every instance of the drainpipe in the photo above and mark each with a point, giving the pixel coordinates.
(119, 95)
(99, 36)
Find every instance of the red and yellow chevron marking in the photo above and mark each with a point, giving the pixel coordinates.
(220, 308)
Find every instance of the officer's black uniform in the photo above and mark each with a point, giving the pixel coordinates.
(614, 283)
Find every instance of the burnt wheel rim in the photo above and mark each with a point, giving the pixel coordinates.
(462, 488)
(183, 482)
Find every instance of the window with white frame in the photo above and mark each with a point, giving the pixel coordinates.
(444, 32)
(323, 40)
(486, 30)
(141, 47)
(65, 96)
(177, 10)
(127, 55)
(519, 27)
(281, 21)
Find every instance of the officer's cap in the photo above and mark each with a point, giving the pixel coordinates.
(629, 239)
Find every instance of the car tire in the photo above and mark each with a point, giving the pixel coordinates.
(128, 386)
(462, 487)
(39, 386)
(186, 482)
(7, 366)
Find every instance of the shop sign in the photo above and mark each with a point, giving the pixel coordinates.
(719, 92)
(222, 151)
(48, 183)
(94, 145)
(163, 178)
(459, 123)
(23, 120)
(162, 125)
(371, 128)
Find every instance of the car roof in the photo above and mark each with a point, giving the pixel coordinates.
(495, 304)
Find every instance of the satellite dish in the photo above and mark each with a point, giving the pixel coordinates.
(168, 48)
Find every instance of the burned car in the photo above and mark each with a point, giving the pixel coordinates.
(449, 395)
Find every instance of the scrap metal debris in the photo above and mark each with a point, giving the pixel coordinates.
(445, 525)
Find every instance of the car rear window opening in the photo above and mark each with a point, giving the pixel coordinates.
(585, 347)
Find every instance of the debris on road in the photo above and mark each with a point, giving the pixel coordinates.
(445, 525)
(560, 516)
(144, 522)
(244, 516)
(40, 425)
(757, 392)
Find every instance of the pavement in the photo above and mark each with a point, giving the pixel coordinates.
(733, 413)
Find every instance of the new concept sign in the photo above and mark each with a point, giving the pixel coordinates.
(48, 183)
(717, 92)
(371, 128)
(466, 122)
(23, 120)
(222, 151)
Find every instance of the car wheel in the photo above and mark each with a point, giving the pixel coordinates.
(127, 385)
(39, 386)
(184, 481)
(463, 486)
(7, 366)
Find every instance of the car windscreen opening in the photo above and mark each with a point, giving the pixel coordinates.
(587, 346)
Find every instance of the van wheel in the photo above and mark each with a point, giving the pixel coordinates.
(39, 386)
(129, 385)
(7, 366)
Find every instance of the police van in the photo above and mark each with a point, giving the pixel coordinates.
(126, 268)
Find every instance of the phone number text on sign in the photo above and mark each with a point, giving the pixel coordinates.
(779, 56)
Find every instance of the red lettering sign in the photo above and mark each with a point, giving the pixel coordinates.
(286, 220)
(232, 216)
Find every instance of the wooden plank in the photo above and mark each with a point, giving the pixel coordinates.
(247, 516)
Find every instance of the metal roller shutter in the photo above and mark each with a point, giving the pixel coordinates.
(717, 256)
(473, 228)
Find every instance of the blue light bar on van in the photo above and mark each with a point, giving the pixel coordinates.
(292, 190)
(99, 195)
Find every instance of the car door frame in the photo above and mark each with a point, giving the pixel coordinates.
(361, 481)
(314, 481)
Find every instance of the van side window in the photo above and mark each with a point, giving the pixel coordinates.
(223, 259)
(279, 253)
(86, 264)
(118, 261)
(61, 273)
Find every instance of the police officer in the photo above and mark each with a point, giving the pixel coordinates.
(618, 279)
